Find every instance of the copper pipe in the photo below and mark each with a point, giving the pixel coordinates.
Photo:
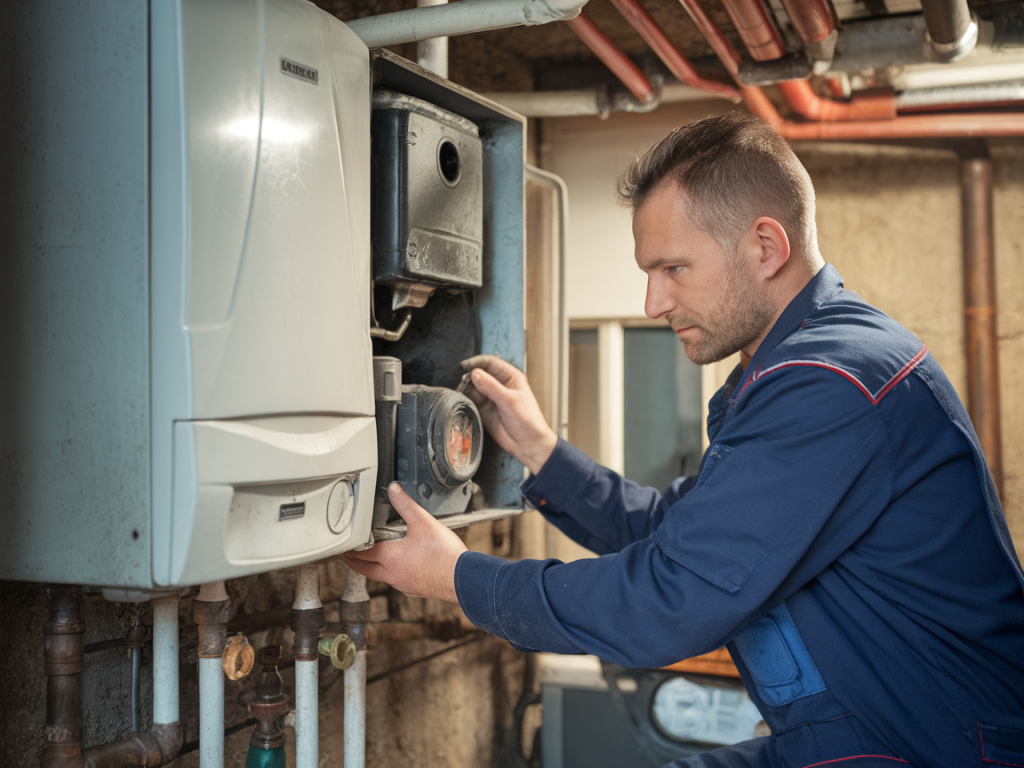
(677, 64)
(756, 29)
(908, 127)
(812, 19)
(805, 101)
(620, 65)
(157, 746)
(62, 655)
(980, 310)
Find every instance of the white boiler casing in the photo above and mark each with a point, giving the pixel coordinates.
(186, 291)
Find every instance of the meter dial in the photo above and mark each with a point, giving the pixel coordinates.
(455, 439)
(680, 708)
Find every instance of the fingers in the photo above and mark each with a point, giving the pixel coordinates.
(413, 514)
(501, 370)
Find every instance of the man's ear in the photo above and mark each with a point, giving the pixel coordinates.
(769, 239)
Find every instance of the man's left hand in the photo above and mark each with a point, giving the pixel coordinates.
(423, 563)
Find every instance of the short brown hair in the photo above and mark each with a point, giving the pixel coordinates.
(733, 169)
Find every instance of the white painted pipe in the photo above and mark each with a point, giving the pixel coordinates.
(307, 713)
(432, 54)
(355, 713)
(211, 693)
(460, 18)
(165, 661)
(355, 681)
(592, 101)
(211, 713)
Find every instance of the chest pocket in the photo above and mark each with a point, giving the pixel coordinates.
(782, 669)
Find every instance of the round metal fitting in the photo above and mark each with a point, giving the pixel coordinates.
(340, 649)
(239, 657)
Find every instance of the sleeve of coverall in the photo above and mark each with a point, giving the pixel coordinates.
(594, 506)
(774, 505)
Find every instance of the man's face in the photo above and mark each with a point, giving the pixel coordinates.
(712, 299)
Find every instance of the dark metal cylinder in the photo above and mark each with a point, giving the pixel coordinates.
(980, 310)
(212, 619)
(62, 654)
(947, 20)
(354, 618)
(307, 624)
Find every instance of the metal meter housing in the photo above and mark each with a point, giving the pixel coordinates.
(438, 445)
(427, 199)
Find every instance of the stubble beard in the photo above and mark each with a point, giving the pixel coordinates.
(741, 316)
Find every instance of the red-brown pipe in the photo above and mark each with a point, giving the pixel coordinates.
(812, 19)
(980, 310)
(613, 58)
(908, 127)
(756, 29)
(806, 102)
(62, 655)
(677, 64)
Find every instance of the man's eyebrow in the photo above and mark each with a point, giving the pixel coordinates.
(661, 261)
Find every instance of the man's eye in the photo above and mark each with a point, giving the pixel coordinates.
(673, 271)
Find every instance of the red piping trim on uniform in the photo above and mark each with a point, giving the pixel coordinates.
(875, 399)
(857, 757)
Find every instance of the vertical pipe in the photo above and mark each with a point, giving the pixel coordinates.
(355, 712)
(432, 53)
(165, 661)
(62, 655)
(980, 310)
(354, 608)
(307, 621)
(212, 609)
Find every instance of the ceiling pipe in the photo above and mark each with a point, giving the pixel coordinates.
(678, 65)
(624, 69)
(461, 18)
(901, 127)
(952, 29)
(760, 36)
(601, 101)
(980, 309)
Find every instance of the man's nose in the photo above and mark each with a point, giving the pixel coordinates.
(657, 301)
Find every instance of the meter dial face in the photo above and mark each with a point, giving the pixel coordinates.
(459, 441)
(680, 708)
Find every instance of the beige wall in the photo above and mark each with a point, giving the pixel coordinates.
(888, 219)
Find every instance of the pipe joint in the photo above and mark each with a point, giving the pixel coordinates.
(354, 619)
(307, 624)
(944, 53)
(212, 620)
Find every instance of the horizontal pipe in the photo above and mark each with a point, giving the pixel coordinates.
(678, 65)
(461, 18)
(934, 99)
(806, 102)
(900, 127)
(620, 65)
(591, 101)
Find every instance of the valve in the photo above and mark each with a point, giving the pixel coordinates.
(239, 657)
(341, 649)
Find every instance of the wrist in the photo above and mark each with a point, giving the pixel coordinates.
(539, 453)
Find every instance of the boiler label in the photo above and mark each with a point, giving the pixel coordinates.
(291, 511)
(300, 71)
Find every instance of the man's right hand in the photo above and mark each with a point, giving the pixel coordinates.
(510, 411)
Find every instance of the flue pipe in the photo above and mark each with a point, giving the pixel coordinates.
(460, 18)
(901, 127)
(676, 63)
(432, 54)
(307, 621)
(620, 65)
(62, 656)
(980, 309)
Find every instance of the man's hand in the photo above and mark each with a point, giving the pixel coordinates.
(423, 563)
(510, 411)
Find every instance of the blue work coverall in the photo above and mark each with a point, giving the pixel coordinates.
(843, 538)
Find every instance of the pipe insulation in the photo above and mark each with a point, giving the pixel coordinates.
(460, 18)
(212, 610)
(354, 608)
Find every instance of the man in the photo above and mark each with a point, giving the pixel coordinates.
(843, 535)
